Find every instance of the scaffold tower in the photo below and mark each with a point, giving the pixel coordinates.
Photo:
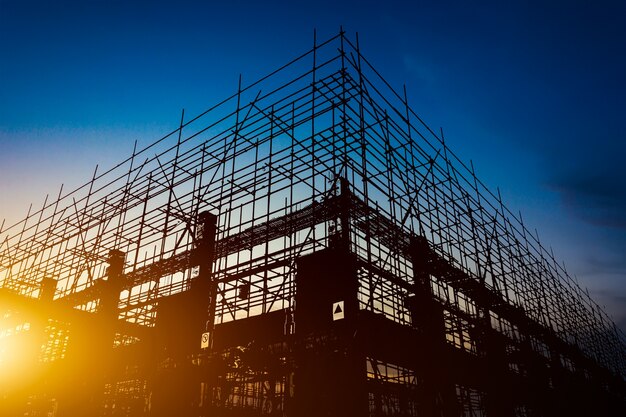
(305, 247)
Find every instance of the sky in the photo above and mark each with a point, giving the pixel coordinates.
(533, 92)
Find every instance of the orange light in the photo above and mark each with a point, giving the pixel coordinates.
(18, 357)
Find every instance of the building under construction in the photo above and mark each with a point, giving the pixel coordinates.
(306, 247)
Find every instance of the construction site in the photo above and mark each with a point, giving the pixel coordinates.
(306, 247)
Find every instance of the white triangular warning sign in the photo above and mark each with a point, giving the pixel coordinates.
(338, 311)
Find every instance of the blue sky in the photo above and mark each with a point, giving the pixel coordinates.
(533, 92)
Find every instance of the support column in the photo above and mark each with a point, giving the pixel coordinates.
(501, 393)
(330, 367)
(89, 365)
(204, 288)
(437, 397)
(181, 320)
(110, 297)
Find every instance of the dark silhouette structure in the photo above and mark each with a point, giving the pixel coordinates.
(307, 247)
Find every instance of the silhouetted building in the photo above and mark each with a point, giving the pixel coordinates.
(308, 247)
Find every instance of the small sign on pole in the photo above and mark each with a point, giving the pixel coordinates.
(204, 342)
(338, 311)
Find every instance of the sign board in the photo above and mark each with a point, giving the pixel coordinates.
(338, 311)
(204, 342)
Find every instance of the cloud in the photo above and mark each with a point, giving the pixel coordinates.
(615, 302)
(589, 178)
(591, 183)
(590, 203)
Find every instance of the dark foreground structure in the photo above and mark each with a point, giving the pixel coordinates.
(307, 247)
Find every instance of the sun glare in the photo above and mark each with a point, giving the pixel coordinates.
(17, 356)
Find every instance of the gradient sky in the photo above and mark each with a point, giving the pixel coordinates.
(533, 92)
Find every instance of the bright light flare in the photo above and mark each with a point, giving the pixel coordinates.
(18, 358)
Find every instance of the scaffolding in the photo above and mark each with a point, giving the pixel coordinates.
(320, 154)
